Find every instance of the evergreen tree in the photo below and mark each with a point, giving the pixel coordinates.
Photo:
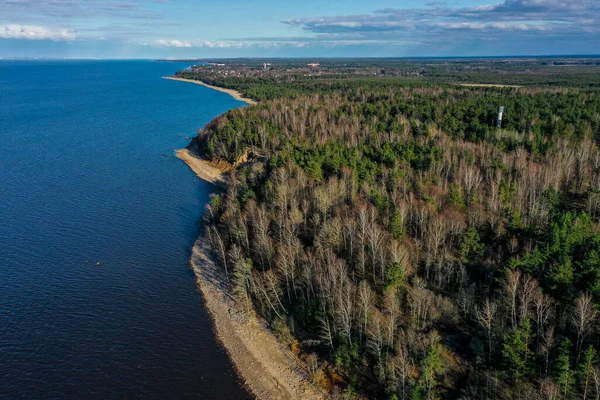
(565, 374)
(515, 350)
(586, 369)
(432, 367)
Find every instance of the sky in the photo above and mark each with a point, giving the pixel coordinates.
(291, 28)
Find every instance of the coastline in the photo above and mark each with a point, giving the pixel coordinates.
(268, 369)
(233, 93)
(203, 168)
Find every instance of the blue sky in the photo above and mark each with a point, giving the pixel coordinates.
(309, 28)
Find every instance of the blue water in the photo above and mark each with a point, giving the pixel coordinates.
(97, 219)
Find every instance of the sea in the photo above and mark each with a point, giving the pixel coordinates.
(97, 221)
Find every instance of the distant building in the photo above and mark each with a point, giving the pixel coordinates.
(313, 65)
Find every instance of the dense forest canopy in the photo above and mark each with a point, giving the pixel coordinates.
(403, 246)
(275, 78)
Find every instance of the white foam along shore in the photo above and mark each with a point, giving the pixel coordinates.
(233, 93)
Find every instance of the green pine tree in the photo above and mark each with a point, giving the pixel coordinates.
(515, 350)
(471, 246)
(565, 374)
(585, 369)
(432, 367)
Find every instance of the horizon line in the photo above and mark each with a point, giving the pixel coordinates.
(302, 57)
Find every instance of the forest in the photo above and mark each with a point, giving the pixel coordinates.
(264, 79)
(404, 247)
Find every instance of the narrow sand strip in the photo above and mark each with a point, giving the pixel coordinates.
(202, 168)
(233, 93)
(268, 369)
(495, 85)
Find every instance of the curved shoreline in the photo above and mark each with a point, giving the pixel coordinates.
(233, 93)
(202, 168)
(268, 369)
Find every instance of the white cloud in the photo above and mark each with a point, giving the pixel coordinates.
(271, 43)
(531, 15)
(173, 43)
(33, 32)
(195, 43)
(490, 25)
(221, 44)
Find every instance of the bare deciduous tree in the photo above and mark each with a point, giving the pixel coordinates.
(543, 313)
(549, 390)
(527, 295)
(402, 365)
(485, 316)
(511, 288)
(583, 318)
(421, 303)
(220, 246)
(365, 301)
(326, 333)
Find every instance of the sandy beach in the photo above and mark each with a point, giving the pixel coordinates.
(269, 370)
(233, 93)
(202, 168)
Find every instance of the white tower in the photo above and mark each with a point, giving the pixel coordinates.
(499, 120)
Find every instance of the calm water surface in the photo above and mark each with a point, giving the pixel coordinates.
(97, 218)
